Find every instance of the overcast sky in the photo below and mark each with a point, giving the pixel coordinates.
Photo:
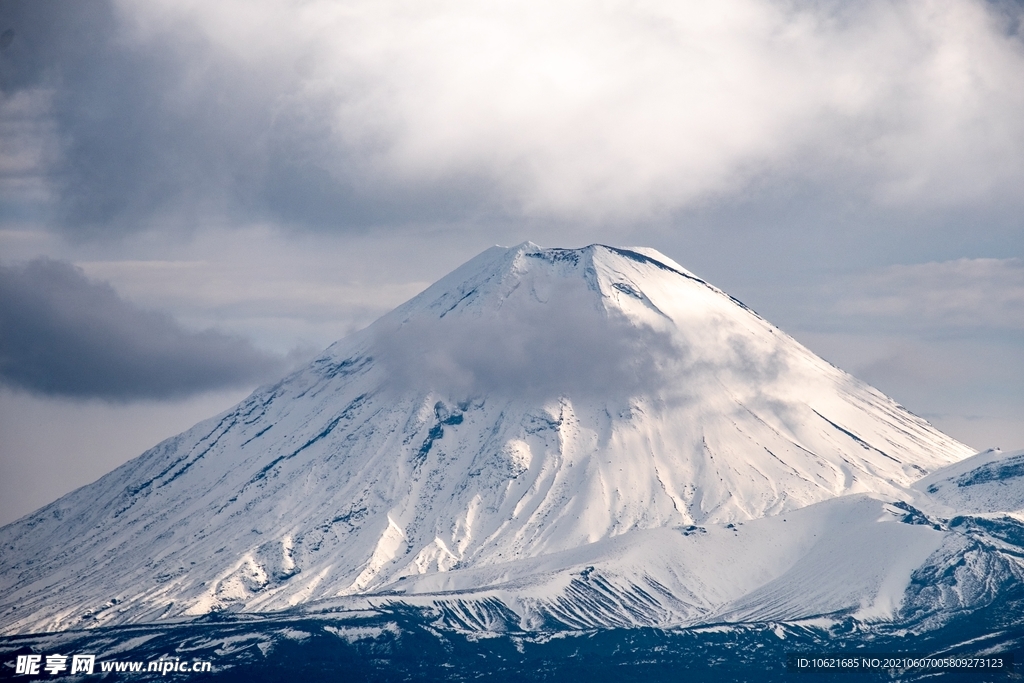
(196, 196)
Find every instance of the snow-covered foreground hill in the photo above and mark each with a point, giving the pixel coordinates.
(963, 604)
(847, 556)
(911, 561)
(545, 438)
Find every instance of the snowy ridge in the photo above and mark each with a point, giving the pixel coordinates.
(533, 408)
(990, 482)
(848, 556)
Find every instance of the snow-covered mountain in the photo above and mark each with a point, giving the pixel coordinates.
(591, 436)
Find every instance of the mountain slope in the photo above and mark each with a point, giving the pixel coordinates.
(534, 401)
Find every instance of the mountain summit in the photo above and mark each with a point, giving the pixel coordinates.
(530, 406)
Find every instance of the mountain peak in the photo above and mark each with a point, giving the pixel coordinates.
(534, 401)
(499, 271)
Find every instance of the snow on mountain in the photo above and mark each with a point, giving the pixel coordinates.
(849, 555)
(990, 482)
(533, 407)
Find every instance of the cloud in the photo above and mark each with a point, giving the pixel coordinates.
(365, 113)
(64, 335)
(567, 346)
(978, 294)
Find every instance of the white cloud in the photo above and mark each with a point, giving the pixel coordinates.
(567, 346)
(625, 109)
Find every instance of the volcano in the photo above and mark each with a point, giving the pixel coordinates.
(586, 437)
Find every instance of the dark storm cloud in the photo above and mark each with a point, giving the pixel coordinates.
(64, 335)
(135, 144)
(167, 129)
